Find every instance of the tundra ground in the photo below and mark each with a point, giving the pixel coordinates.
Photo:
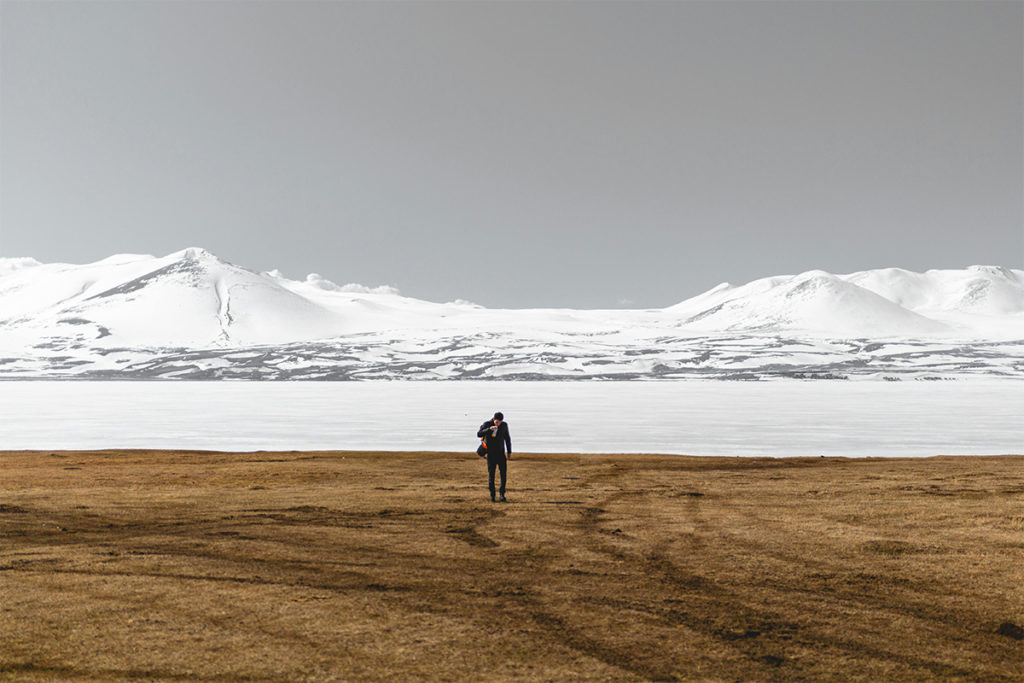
(297, 566)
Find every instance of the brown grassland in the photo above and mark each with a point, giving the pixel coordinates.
(200, 566)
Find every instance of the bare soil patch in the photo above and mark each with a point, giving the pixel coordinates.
(157, 565)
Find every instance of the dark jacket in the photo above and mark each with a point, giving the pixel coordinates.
(500, 443)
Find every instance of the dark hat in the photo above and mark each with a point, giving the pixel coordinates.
(499, 416)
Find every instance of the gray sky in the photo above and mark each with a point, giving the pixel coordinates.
(584, 154)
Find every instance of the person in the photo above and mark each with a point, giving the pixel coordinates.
(499, 451)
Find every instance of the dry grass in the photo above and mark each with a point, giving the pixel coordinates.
(341, 566)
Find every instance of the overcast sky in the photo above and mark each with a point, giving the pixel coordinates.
(584, 154)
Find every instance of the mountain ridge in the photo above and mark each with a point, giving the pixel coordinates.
(125, 310)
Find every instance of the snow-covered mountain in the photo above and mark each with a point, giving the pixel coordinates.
(810, 302)
(190, 298)
(190, 314)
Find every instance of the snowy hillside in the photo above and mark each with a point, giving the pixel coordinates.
(190, 314)
(811, 302)
(189, 298)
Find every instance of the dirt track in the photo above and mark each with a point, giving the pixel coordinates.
(343, 566)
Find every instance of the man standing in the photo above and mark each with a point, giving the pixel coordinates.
(495, 434)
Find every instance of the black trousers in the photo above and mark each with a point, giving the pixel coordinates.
(501, 464)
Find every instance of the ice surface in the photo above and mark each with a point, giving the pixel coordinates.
(905, 419)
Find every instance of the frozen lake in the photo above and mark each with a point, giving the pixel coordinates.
(856, 419)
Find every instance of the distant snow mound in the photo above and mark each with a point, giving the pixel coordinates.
(353, 288)
(9, 265)
(983, 290)
(814, 301)
(317, 281)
